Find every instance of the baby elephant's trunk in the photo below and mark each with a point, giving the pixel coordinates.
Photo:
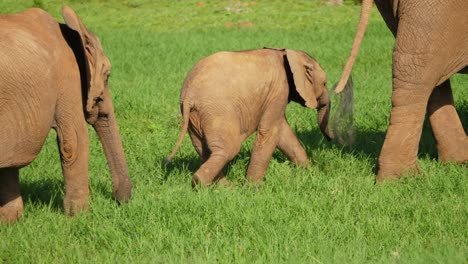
(324, 105)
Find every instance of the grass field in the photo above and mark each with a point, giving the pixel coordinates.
(331, 212)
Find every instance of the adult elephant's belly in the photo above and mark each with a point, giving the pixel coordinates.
(23, 129)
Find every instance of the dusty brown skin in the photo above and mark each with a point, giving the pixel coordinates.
(229, 95)
(431, 45)
(54, 76)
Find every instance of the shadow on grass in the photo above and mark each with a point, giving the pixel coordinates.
(367, 142)
(46, 192)
(191, 163)
(50, 192)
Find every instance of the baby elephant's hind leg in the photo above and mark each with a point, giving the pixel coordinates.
(11, 203)
(217, 151)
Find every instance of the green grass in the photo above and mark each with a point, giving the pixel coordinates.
(329, 213)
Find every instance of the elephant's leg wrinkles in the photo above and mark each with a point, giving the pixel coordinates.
(451, 140)
(11, 203)
(414, 77)
(399, 151)
(73, 146)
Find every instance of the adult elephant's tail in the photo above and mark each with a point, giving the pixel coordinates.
(365, 13)
(185, 116)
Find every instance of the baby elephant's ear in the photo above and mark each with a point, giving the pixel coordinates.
(303, 75)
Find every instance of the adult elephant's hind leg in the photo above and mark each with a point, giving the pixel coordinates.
(451, 139)
(11, 203)
(412, 86)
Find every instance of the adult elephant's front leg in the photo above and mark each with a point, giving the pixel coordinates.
(73, 145)
(452, 142)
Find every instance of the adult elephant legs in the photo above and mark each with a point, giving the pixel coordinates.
(399, 151)
(418, 67)
(412, 87)
(452, 143)
(11, 203)
(73, 145)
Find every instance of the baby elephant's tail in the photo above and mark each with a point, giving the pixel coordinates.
(185, 116)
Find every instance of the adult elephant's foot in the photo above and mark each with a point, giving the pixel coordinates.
(391, 171)
(11, 203)
(458, 154)
(11, 211)
(447, 128)
(75, 206)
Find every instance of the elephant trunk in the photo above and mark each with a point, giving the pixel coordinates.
(108, 133)
(324, 105)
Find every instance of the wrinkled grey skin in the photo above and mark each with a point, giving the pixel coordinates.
(54, 75)
(431, 44)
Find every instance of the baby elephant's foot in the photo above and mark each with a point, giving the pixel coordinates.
(225, 183)
(302, 163)
(199, 181)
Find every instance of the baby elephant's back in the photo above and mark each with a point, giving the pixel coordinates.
(228, 76)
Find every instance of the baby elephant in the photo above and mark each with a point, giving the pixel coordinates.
(229, 95)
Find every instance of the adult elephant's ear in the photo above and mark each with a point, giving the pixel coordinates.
(90, 45)
(302, 73)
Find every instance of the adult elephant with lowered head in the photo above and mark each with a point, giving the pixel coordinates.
(431, 45)
(54, 75)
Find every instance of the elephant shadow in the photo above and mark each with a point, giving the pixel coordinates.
(50, 192)
(43, 192)
(187, 162)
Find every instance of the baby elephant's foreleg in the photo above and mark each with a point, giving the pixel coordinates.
(291, 147)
